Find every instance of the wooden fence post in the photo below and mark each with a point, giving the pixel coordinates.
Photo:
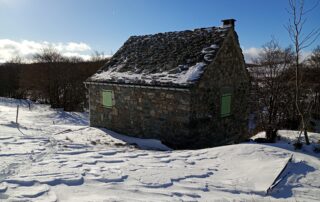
(17, 114)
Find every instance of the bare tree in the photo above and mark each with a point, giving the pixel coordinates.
(312, 77)
(75, 59)
(48, 55)
(314, 60)
(51, 59)
(97, 56)
(10, 72)
(300, 40)
(271, 63)
(16, 60)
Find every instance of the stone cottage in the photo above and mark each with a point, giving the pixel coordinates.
(187, 88)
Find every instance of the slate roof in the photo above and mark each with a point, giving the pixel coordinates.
(164, 59)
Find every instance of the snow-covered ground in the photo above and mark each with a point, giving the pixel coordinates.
(53, 155)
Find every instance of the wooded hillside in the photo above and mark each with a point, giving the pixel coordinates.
(59, 84)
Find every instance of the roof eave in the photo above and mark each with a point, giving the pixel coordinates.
(176, 87)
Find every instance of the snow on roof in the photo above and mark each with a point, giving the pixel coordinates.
(164, 59)
(189, 74)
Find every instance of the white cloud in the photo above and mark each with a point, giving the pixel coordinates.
(77, 47)
(305, 54)
(251, 53)
(26, 49)
(74, 54)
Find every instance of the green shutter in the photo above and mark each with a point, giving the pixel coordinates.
(107, 98)
(226, 104)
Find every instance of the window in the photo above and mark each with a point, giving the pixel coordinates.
(226, 97)
(107, 98)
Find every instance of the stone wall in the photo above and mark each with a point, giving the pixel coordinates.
(227, 70)
(142, 112)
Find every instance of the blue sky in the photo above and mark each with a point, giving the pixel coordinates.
(104, 25)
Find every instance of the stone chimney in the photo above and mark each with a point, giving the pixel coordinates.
(228, 22)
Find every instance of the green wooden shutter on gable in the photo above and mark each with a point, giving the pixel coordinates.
(225, 105)
(107, 98)
(226, 98)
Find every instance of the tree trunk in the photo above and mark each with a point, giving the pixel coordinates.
(271, 134)
(306, 136)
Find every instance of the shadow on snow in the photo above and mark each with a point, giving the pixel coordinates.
(295, 171)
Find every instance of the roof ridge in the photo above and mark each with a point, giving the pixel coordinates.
(179, 31)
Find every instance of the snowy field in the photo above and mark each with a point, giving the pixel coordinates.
(53, 155)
